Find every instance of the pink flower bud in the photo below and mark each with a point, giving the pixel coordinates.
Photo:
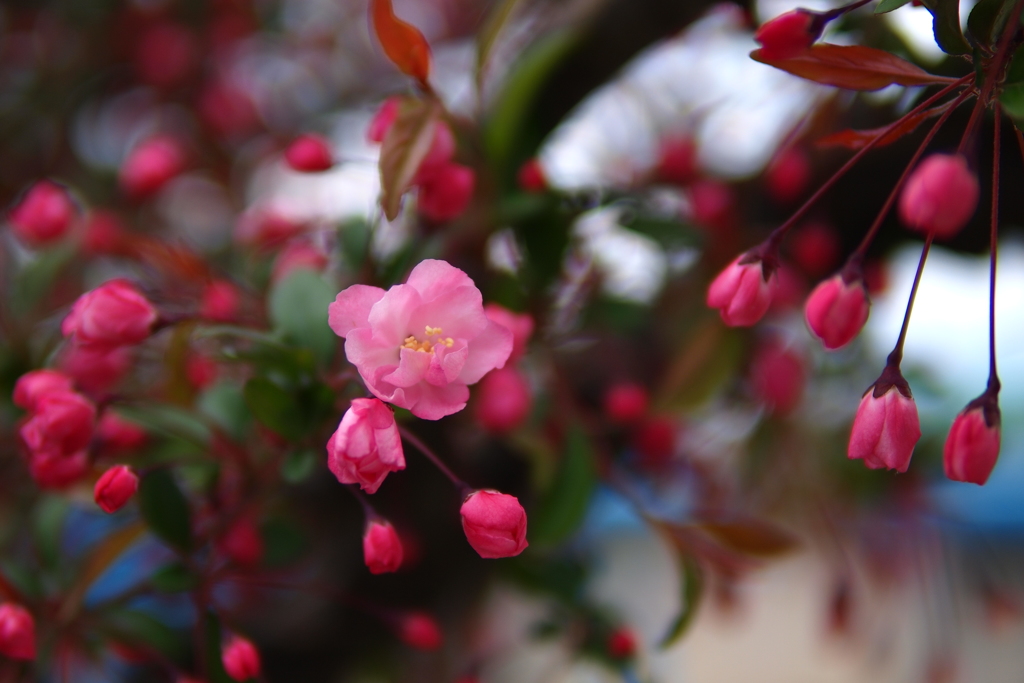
(17, 632)
(442, 149)
(420, 630)
(33, 386)
(788, 174)
(165, 54)
(621, 644)
(220, 301)
(815, 248)
(241, 659)
(494, 523)
(242, 542)
(151, 165)
(836, 311)
(113, 314)
(383, 120)
(104, 233)
(115, 488)
(626, 403)
(530, 177)
(503, 400)
(885, 429)
(972, 446)
(741, 292)
(445, 192)
(711, 203)
(789, 34)
(678, 161)
(55, 471)
(940, 196)
(520, 324)
(227, 109)
(44, 214)
(63, 424)
(295, 256)
(117, 434)
(309, 153)
(265, 228)
(777, 377)
(201, 371)
(96, 368)
(655, 440)
(382, 549)
(366, 446)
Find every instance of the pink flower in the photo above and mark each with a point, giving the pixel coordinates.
(44, 214)
(117, 434)
(789, 34)
(366, 447)
(295, 256)
(816, 248)
(57, 471)
(625, 403)
(741, 292)
(530, 177)
(309, 153)
(113, 314)
(241, 659)
(678, 161)
(940, 196)
(17, 632)
(419, 345)
(621, 644)
(165, 54)
(33, 386)
(788, 174)
(836, 311)
(151, 165)
(494, 523)
(96, 368)
(382, 121)
(242, 542)
(382, 549)
(885, 429)
(520, 324)
(445, 191)
(220, 301)
(503, 400)
(442, 147)
(104, 233)
(777, 376)
(420, 630)
(62, 424)
(115, 488)
(265, 228)
(655, 440)
(201, 371)
(972, 446)
(711, 204)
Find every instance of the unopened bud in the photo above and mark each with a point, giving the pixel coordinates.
(17, 632)
(115, 488)
(940, 196)
(741, 292)
(420, 630)
(44, 214)
(494, 523)
(972, 446)
(241, 659)
(382, 549)
(309, 153)
(886, 427)
(836, 311)
(789, 34)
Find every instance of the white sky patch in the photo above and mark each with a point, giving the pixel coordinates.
(632, 266)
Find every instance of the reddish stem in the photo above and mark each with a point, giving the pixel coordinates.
(463, 488)
(896, 356)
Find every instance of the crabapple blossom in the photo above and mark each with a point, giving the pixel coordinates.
(382, 549)
(836, 311)
(445, 191)
(421, 344)
(886, 428)
(503, 400)
(113, 314)
(151, 165)
(33, 386)
(626, 402)
(17, 632)
(115, 488)
(309, 153)
(520, 324)
(940, 195)
(241, 659)
(972, 446)
(420, 630)
(62, 423)
(494, 523)
(366, 446)
(789, 34)
(44, 214)
(219, 301)
(742, 292)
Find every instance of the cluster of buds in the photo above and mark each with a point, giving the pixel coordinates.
(627, 405)
(445, 187)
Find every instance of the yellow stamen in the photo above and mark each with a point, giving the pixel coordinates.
(414, 344)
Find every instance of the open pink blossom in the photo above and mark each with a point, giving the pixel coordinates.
(366, 447)
(419, 345)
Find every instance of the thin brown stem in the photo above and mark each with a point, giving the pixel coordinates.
(460, 485)
(779, 233)
(897, 353)
(993, 376)
(858, 255)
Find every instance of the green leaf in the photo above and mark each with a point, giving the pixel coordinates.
(405, 146)
(165, 509)
(488, 35)
(1012, 100)
(284, 542)
(173, 578)
(889, 5)
(225, 405)
(355, 243)
(298, 309)
(750, 536)
(946, 25)
(299, 465)
(36, 278)
(135, 628)
(565, 503)
(693, 589)
(275, 407)
(48, 524)
(987, 20)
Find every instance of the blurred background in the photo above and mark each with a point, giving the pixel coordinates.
(719, 535)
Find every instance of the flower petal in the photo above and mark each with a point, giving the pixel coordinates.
(432, 278)
(489, 350)
(351, 308)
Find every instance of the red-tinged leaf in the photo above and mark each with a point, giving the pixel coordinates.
(750, 536)
(403, 43)
(857, 139)
(693, 590)
(404, 148)
(853, 67)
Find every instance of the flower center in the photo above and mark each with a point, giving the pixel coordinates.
(432, 336)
